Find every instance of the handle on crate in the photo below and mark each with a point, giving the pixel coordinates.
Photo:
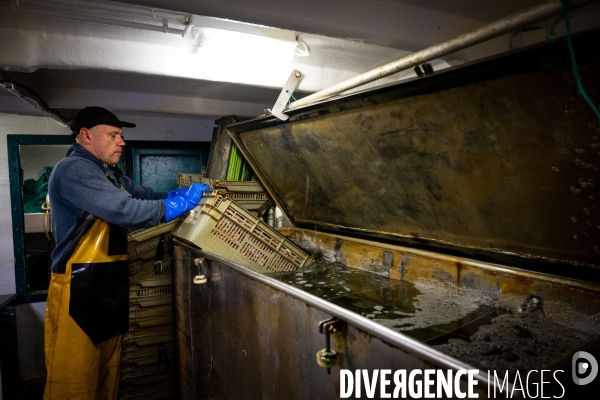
(162, 353)
(212, 211)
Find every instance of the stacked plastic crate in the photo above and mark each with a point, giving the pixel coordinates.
(249, 194)
(147, 361)
(224, 228)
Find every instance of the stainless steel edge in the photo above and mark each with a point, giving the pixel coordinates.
(387, 335)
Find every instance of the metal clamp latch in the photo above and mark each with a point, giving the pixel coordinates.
(158, 257)
(200, 278)
(328, 357)
(198, 262)
(163, 355)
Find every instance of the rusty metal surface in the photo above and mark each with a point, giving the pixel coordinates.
(501, 157)
(568, 303)
(242, 337)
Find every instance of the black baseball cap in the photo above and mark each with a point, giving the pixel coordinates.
(89, 117)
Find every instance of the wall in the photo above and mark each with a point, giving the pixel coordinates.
(30, 317)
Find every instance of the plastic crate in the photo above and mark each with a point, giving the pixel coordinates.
(146, 375)
(146, 267)
(221, 184)
(144, 317)
(153, 296)
(151, 280)
(238, 186)
(148, 336)
(250, 201)
(137, 355)
(157, 391)
(222, 227)
(249, 194)
(149, 360)
(153, 320)
(141, 235)
(188, 179)
(146, 250)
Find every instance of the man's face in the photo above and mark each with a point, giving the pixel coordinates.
(107, 143)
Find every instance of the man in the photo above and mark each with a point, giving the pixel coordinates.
(87, 309)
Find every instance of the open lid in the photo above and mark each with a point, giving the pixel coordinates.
(497, 159)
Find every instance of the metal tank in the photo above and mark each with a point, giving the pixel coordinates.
(453, 222)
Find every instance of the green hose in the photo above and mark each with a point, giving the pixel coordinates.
(566, 5)
(238, 168)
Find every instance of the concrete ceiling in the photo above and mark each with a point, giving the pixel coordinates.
(71, 63)
(402, 24)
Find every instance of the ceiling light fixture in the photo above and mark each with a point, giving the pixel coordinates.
(102, 12)
(227, 40)
(216, 40)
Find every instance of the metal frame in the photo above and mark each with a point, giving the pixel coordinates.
(16, 201)
(494, 29)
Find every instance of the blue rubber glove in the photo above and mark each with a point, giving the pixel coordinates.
(195, 192)
(178, 192)
(175, 206)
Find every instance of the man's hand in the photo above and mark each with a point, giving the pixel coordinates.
(183, 199)
(195, 192)
(175, 206)
(192, 193)
(182, 191)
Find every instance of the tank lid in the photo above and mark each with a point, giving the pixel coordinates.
(496, 160)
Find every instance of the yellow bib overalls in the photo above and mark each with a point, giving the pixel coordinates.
(86, 314)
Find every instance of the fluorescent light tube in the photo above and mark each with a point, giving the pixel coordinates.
(233, 41)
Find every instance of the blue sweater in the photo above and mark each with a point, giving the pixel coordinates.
(81, 183)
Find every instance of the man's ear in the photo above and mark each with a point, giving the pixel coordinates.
(85, 134)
